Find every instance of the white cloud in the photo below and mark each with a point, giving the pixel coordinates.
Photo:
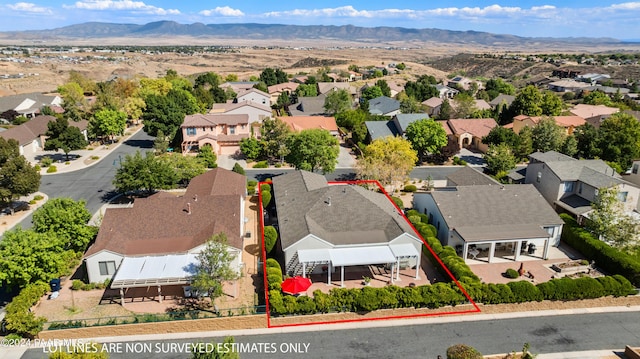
(29, 8)
(626, 6)
(123, 5)
(223, 11)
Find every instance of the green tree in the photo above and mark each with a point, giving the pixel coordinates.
(337, 101)
(422, 89)
(551, 105)
(499, 135)
(251, 148)
(167, 112)
(108, 123)
(619, 139)
(73, 101)
(67, 220)
(307, 90)
(237, 168)
(371, 92)
(388, 160)
(497, 86)
(268, 76)
(184, 167)
(266, 198)
(569, 146)
(527, 102)
(610, 222)
(384, 87)
(138, 172)
(500, 159)
(353, 121)
(313, 149)
(207, 156)
(587, 137)
(214, 267)
(524, 144)
(161, 143)
(62, 136)
(224, 350)
(597, 98)
(465, 105)
(547, 135)
(17, 176)
(426, 136)
(270, 238)
(409, 104)
(446, 111)
(28, 257)
(274, 133)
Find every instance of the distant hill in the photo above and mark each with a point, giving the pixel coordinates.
(97, 30)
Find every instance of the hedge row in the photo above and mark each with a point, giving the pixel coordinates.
(608, 258)
(19, 317)
(437, 295)
(274, 274)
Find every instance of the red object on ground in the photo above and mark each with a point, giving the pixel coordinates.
(296, 285)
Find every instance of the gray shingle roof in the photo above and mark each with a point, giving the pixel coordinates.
(383, 105)
(309, 106)
(338, 214)
(405, 119)
(468, 176)
(502, 98)
(494, 212)
(381, 129)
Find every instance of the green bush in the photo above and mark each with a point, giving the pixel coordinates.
(37, 168)
(459, 161)
(77, 284)
(463, 351)
(38, 197)
(261, 164)
(398, 202)
(278, 165)
(409, 188)
(251, 186)
(19, 317)
(95, 157)
(414, 220)
(46, 161)
(525, 291)
(272, 263)
(512, 273)
(266, 198)
(270, 237)
(52, 169)
(265, 187)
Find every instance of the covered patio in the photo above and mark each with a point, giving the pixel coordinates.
(393, 256)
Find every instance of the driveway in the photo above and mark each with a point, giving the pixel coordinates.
(346, 159)
(472, 158)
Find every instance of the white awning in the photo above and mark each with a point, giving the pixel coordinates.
(313, 255)
(361, 255)
(155, 270)
(404, 250)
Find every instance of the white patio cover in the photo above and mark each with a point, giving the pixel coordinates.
(146, 271)
(353, 256)
(404, 250)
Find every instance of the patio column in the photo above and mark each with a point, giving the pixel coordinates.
(392, 268)
(329, 274)
(304, 269)
(545, 253)
(397, 270)
(122, 297)
(159, 294)
(342, 276)
(417, 267)
(492, 251)
(516, 255)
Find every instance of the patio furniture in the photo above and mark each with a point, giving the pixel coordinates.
(474, 253)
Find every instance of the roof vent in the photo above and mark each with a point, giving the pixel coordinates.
(328, 201)
(188, 208)
(195, 198)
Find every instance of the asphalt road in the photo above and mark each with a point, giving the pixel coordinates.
(342, 174)
(552, 334)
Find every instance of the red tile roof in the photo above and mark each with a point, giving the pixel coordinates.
(299, 123)
(478, 127)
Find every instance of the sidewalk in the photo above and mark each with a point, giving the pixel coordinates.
(80, 159)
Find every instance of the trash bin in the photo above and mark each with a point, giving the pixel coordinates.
(55, 284)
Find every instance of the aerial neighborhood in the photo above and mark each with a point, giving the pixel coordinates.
(334, 193)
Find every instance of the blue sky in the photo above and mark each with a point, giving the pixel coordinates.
(618, 19)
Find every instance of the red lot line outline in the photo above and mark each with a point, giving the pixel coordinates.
(475, 309)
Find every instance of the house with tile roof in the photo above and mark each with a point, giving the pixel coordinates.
(253, 95)
(31, 134)
(338, 226)
(223, 132)
(571, 185)
(469, 132)
(276, 90)
(593, 114)
(155, 241)
(433, 105)
(29, 105)
(299, 123)
(257, 112)
(238, 86)
(569, 123)
(326, 87)
(488, 221)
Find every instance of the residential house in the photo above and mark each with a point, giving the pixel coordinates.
(478, 104)
(309, 106)
(395, 88)
(253, 95)
(276, 90)
(433, 106)
(299, 123)
(567, 86)
(327, 227)
(633, 175)
(569, 123)
(31, 134)
(446, 92)
(222, 131)
(384, 106)
(502, 100)
(468, 176)
(593, 114)
(462, 82)
(469, 132)
(238, 86)
(489, 221)
(571, 185)
(257, 112)
(397, 126)
(326, 87)
(29, 105)
(155, 242)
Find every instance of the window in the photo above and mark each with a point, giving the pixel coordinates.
(580, 187)
(107, 268)
(635, 169)
(622, 196)
(539, 176)
(232, 130)
(191, 131)
(568, 187)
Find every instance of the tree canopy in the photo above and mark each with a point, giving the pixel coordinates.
(67, 219)
(426, 136)
(619, 139)
(388, 160)
(214, 267)
(337, 101)
(500, 159)
(547, 135)
(313, 149)
(108, 122)
(609, 221)
(17, 176)
(144, 172)
(62, 136)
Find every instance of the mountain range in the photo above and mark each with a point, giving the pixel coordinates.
(98, 30)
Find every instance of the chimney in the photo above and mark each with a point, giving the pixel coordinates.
(188, 208)
(328, 201)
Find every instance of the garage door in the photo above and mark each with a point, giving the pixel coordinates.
(229, 150)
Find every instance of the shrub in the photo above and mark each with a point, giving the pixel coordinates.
(33, 201)
(261, 164)
(76, 284)
(67, 163)
(265, 187)
(19, 317)
(524, 291)
(52, 169)
(38, 197)
(459, 161)
(266, 198)
(46, 161)
(272, 263)
(409, 188)
(463, 351)
(278, 165)
(95, 157)
(238, 169)
(414, 220)
(270, 237)
(512, 273)
(37, 168)
(398, 202)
